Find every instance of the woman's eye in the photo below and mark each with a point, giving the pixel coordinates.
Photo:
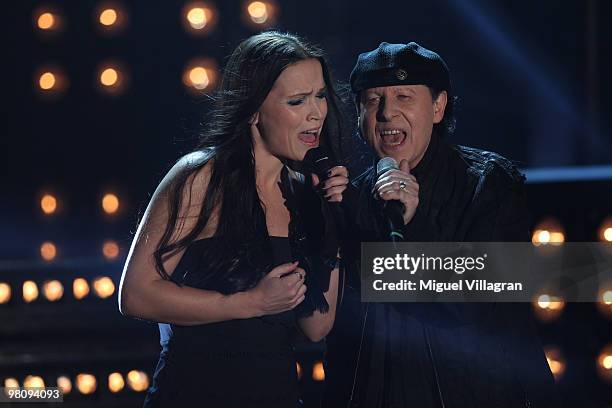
(295, 102)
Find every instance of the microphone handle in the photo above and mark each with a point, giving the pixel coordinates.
(393, 211)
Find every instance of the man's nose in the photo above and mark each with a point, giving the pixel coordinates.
(386, 111)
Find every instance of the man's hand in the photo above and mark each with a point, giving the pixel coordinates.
(399, 185)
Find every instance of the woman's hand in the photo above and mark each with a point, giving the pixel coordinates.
(280, 290)
(335, 185)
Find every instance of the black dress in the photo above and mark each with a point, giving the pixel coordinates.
(246, 362)
(235, 363)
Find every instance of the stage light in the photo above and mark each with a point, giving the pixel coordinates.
(110, 249)
(138, 380)
(548, 307)
(298, 369)
(48, 251)
(548, 231)
(605, 230)
(556, 361)
(30, 291)
(80, 288)
(104, 287)
(33, 381)
(115, 382)
(47, 81)
(5, 293)
(53, 290)
(260, 14)
(64, 384)
(110, 203)
(109, 77)
(199, 17)
(86, 383)
(108, 17)
(11, 382)
(48, 204)
(200, 75)
(318, 372)
(604, 363)
(46, 21)
(258, 11)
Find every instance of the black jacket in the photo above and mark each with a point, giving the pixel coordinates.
(439, 354)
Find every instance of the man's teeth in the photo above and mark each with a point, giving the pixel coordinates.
(393, 137)
(390, 132)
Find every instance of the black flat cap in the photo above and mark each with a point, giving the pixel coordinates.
(400, 64)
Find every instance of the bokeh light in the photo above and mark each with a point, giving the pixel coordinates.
(110, 203)
(47, 81)
(80, 288)
(110, 249)
(556, 361)
(108, 17)
(318, 372)
(604, 363)
(115, 382)
(48, 251)
(103, 287)
(46, 21)
(30, 291)
(5, 292)
(548, 307)
(53, 290)
(200, 75)
(64, 384)
(199, 17)
(86, 383)
(48, 204)
(33, 381)
(138, 380)
(547, 232)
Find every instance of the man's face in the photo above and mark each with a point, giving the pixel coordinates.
(397, 121)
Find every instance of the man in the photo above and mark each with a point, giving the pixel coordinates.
(429, 354)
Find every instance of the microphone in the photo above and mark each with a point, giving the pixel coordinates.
(319, 161)
(393, 210)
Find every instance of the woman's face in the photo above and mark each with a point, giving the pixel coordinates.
(292, 115)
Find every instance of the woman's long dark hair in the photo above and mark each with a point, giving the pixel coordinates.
(248, 77)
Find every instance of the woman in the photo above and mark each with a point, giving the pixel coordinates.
(213, 257)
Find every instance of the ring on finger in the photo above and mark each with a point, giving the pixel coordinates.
(402, 185)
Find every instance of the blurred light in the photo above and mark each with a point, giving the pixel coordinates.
(33, 381)
(86, 383)
(606, 297)
(30, 291)
(608, 234)
(115, 382)
(199, 17)
(104, 287)
(298, 369)
(53, 290)
(108, 17)
(48, 204)
(548, 308)
(47, 81)
(11, 382)
(48, 251)
(109, 77)
(556, 361)
(548, 231)
(5, 293)
(605, 230)
(64, 384)
(110, 249)
(199, 78)
(46, 21)
(110, 203)
(138, 380)
(258, 11)
(200, 75)
(604, 363)
(318, 373)
(80, 288)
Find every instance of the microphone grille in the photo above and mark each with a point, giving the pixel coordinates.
(385, 164)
